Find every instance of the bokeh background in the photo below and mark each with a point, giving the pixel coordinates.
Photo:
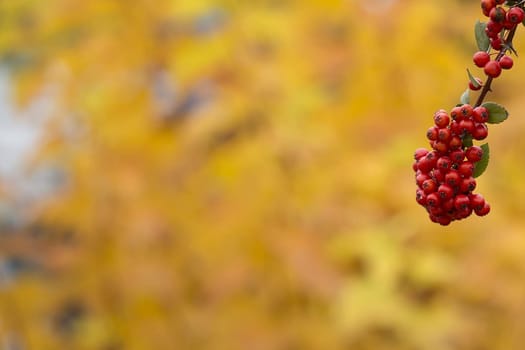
(226, 174)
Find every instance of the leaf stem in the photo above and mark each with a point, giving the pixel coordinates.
(501, 53)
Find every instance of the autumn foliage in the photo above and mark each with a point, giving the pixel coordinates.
(237, 175)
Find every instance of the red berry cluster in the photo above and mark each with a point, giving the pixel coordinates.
(444, 175)
(500, 20)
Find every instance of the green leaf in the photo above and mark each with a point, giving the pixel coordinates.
(497, 113)
(481, 166)
(473, 80)
(482, 40)
(465, 97)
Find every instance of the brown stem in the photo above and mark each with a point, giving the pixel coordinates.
(501, 53)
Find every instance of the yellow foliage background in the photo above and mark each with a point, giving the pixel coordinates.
(238, 176)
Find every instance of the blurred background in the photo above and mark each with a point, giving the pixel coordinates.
(222, 174)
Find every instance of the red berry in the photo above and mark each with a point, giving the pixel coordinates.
(487, 6)
(474, 154)
(424, 165)
(421, 177)
(440, 111)
(466, 110)
(477, 202)
(483, 211)
(435, 210)
(467, 185)
(444, 163)
(455, 113)
(440, 146)
(429, 186)
(444, 134)
(464, 213)
(444, 220)
(515, 15)
(506, 62)
(432, 133)
(493, 30)
(466, 125)
(428, 162)
(477, 87)
(461, 202)
(455, 143)
(448, 205)
(441, 119)
(480, 114)
(466, 169)
(433, 218)
(492, 69)
(497, 14)
(420, 153)
(433, 157)
(496, 43)
(481, 58)
(454, 128)
(508, 24)
(445, 192)
(438, 175)
(480, 131)
(457, 156)
(421, 197)
(494, 27)
(433, 200)
(452, 178)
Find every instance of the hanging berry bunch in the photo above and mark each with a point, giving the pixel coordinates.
(446, 174)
